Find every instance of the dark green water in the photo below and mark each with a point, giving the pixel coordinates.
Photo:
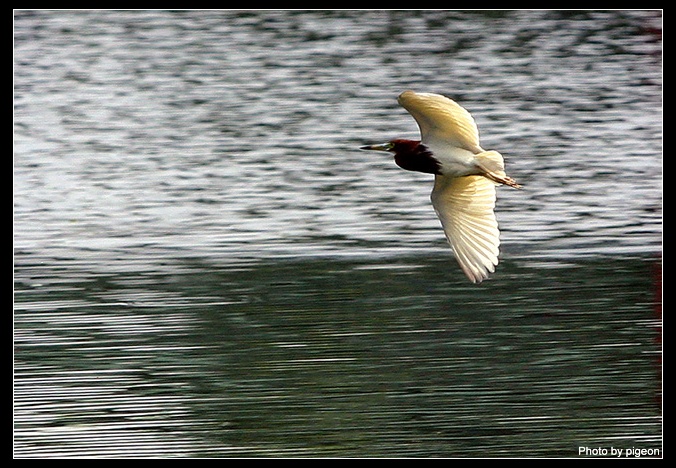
(339, 358)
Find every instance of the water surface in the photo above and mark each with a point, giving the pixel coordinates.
(206, 266)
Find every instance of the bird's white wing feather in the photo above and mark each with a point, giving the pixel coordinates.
(441, 118)
(465, 207)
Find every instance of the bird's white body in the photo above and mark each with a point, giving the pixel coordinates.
(454, 161)
(465, 177)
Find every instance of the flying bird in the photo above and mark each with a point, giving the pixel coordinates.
(465, 177)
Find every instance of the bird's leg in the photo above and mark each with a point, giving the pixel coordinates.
(506, 180)
(492, 166)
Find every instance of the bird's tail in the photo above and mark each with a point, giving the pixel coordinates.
(493, 165)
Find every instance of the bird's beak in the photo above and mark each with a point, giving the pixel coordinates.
(381, 147)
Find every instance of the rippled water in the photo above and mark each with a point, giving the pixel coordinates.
(206, 266)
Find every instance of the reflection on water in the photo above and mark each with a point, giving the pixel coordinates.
(206, 266)
(338, 358)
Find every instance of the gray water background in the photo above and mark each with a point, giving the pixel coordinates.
(205, 265)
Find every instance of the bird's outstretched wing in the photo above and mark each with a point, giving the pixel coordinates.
(465, 207)
(441, 118)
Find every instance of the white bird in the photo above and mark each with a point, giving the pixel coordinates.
(465, 177)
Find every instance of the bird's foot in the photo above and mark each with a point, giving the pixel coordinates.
(506, 180)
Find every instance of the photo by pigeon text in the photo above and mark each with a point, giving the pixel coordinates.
(618, 452)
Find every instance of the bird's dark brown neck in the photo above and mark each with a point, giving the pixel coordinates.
(414, 156)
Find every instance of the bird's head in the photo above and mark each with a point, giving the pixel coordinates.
(409, 154)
